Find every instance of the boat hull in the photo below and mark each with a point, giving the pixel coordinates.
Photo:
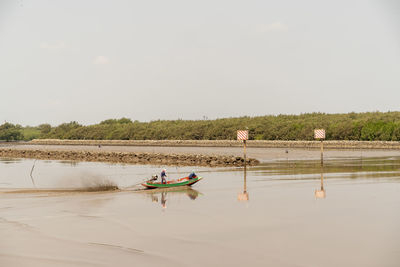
(180, 182)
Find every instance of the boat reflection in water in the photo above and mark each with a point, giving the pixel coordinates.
(160, 195)
(245, 195)
(321, 193)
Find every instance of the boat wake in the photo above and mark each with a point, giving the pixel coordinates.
(75, 184)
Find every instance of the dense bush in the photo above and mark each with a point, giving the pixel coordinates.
(368, 126)
(10, 132)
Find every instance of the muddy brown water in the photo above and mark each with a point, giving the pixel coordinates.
(282, 213)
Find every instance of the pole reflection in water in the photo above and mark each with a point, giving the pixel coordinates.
(321, 193)
(160, 195)
(245, 195)
(164, 200)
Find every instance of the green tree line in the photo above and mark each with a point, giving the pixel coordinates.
(369, 126)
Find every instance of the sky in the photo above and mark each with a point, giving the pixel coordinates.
(88, 61)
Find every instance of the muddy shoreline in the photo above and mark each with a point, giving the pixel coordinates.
(344, 144)
(185, 155)
(128, 157)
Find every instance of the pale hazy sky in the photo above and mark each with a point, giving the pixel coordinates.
(94, 60)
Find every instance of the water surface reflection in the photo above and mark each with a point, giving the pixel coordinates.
(283, 225)
(321, 193)
(245, 195)
(160, 195)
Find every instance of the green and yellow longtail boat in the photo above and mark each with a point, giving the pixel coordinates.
(173, 183)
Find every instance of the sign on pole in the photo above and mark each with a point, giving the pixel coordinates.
(319, 134)
(242, 135)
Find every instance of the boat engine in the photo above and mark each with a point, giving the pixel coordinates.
(154, 177)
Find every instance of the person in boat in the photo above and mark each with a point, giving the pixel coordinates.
(163, 176)
(192, 175)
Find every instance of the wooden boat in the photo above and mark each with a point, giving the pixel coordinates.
(174, 183)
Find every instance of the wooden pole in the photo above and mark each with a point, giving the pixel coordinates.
(245, 180)
(322, 153)
(245, 164)
(244, 151)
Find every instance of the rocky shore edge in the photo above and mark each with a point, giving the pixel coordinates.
(129, 157)
(331, 144)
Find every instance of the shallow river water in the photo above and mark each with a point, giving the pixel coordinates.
(282, 213)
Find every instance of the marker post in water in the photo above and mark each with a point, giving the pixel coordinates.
(243, 135)
(320, 135)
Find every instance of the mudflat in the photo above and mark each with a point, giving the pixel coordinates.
(261, 154)
(87, 153)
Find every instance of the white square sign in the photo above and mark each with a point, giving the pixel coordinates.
(242, 135)
(319, 134)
